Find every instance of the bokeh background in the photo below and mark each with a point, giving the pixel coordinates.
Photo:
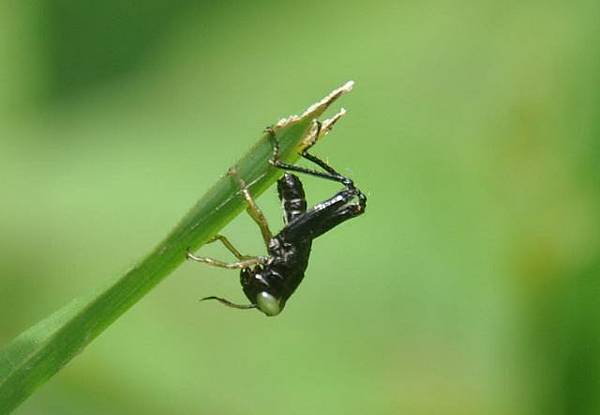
(471, 286)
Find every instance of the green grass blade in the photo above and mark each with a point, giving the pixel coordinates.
(41, 351)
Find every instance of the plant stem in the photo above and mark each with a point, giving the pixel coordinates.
(41, 351)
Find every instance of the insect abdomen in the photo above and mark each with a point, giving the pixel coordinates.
(291, 194)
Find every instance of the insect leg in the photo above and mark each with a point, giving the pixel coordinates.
(332, 172)
(253, 209)
(245, 263)
(223, 239)
(325, 215)
(292, 167)
(328, 174)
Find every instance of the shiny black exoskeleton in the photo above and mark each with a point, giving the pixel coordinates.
(288, 254)
(269, 281)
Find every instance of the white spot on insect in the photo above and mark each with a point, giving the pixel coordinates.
(260, 278)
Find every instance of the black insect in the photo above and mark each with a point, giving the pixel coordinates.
(268, 281)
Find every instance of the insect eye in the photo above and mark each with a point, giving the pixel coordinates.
(268, 304)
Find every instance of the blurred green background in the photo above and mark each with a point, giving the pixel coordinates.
(471, 286)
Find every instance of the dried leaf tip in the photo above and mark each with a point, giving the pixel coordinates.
(326, 127)
(319, 107)
(330, 122)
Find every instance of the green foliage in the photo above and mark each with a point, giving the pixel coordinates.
(469, 285)
(38, 353)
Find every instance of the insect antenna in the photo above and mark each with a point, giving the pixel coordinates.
(229, 303)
